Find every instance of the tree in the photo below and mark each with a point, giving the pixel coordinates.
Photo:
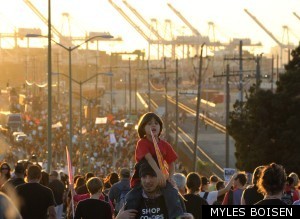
(266, 127)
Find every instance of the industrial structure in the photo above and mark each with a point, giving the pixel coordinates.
(160, 36)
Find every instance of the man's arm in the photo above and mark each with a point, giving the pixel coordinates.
(171, 169)
(228, 186)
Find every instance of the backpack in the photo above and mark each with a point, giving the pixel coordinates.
(205, 195)
(121, 200)
(287, 197)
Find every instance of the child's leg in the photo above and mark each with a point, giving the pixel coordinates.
(174, 204)
(133, 198)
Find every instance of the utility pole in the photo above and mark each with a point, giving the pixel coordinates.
(58, 80)
(198, 108)
(129, 65)
(257, 75)
(149, 89)
(135, 96)
(241, 71)
(272, 74)
(176, 136)
(277, 66)
(227, 104)
(166, 99)
(227, 108)
(227, 117)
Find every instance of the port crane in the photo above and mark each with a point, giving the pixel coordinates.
(141, 18)
(42, 17)
(154, 38)
(63, 39)
(296, 15)
(280, 44)
(187, 23)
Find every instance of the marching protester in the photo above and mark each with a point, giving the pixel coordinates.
(93, 207)
(36, 201)
(149, 129)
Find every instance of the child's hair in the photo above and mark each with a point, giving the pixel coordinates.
(144, 120)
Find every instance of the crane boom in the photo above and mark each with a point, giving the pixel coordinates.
(264, 28)
(41, 16)
(297, 16)
(194, 30)
(140, 17)
(128, 19)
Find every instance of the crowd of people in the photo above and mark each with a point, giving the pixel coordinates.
(148, 185)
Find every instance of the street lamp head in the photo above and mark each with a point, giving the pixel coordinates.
(106, 36)
(34, 35)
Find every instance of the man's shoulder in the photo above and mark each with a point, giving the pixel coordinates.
(56, 182)
(32, 187)
(92, 202)
(121, 183)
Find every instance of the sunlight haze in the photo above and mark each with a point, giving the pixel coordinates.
(228, 16)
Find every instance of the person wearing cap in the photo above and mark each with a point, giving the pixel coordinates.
(153, 203)
(120, 188)
(58, 189)
(18, 179)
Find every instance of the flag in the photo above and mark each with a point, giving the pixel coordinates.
(69, 162)
(70, 172)
(161, 162)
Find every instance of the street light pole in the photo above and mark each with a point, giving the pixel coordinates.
(70, 105)
(49, 125)
(129, 79)
(80, 83)
(69, 49)
(80, 125)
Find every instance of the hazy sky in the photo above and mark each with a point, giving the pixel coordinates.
(98, 15)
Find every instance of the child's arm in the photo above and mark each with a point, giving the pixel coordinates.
(171, 173)
(160, 176)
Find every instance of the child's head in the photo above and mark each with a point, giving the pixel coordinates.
(144, 120)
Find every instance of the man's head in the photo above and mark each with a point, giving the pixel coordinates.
(213, 179)
(193, 182)
(34, 172)
(204, 183)
(180, 181)
(94, 185)
(19, 170)
(53, 175)
(148, 177)
(240, 180)
(124, 173)
(89, 175)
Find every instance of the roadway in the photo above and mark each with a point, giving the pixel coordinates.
(211, 135)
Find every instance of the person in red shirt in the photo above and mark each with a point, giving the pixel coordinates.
(80, 197)
(151, 122)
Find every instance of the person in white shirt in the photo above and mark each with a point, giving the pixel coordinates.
(211, 197)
